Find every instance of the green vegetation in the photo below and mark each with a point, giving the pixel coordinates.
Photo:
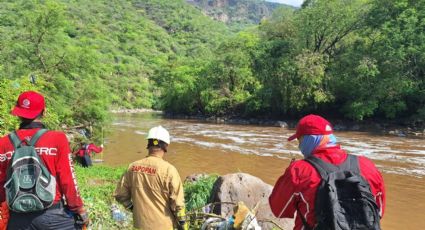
(197, 194)
(359, 59)
(97, 185)
(355, 59)
(90, 56)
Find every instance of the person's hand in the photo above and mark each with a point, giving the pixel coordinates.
(183, 225)
(82, 218)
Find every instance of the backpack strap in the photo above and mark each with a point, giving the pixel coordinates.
(350, 164)
(324, 168)
(37, 136)
(16, 142)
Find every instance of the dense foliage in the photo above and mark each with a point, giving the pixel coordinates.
(90, 56)
(355, 59)
(197, 193)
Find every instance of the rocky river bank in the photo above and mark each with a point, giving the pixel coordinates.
(383, 127)
(394, 128)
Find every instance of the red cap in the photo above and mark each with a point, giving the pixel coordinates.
(29, 105)
(312, 125)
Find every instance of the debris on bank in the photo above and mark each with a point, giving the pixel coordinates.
(233, 200)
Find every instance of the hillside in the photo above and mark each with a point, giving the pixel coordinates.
(356, 61)
(237, 13)
(88, 56)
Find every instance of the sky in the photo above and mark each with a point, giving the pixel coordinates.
(289, 2)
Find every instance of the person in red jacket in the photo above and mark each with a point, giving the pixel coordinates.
(84, 154)
(295, 190)
(53, 148)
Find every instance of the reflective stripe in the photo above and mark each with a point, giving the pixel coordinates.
(378, 199)
(290, 200)
(307, 207)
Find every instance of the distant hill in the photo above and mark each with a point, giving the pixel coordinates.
(237, 14)
(125, 43)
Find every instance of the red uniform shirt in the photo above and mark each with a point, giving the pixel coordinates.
(298, 186)
(89, 148)
(53, 148)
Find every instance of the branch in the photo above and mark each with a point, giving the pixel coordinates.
(271, 221)
(213, 205)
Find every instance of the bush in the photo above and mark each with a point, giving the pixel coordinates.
(97, 185)
(196, 194)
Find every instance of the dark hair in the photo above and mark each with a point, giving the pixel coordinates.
(157, 143)
(25, 121)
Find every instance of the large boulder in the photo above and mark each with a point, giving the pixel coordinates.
(252, 191)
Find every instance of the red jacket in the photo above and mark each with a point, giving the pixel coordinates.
(89, 148)
(298, 185)
(53, 148)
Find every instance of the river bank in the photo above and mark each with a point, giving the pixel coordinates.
(400, 128)
(97, 185)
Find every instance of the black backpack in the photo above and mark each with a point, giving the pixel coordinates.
(30, 186)
(344, 200)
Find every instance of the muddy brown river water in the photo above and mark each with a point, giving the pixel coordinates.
(199, 147)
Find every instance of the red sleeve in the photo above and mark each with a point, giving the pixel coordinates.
(373, 176)
(65, 175)
(282, 199)
(80, 152)
(5, 155)
(94, 148)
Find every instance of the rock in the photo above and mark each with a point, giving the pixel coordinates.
(282, 124)
(220, 121)
(195, 177)
(249, 189)
(210, 119)
(238, 122)
(340, 127)
(355, 128)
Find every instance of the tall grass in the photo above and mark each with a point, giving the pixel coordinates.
(97, 185)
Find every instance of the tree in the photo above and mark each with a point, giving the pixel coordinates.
(324, 24)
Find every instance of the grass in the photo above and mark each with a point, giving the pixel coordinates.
(97, 185)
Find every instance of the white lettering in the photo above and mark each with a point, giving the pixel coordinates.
(40, 151)
(46, 151)
(6, 156)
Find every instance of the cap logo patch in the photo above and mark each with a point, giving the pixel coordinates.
(26, 103)
(328, 128)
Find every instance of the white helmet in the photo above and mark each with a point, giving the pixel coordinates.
(159, 133)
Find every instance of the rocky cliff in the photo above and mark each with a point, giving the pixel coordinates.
(236, 13)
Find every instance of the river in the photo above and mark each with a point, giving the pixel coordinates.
(198, 147)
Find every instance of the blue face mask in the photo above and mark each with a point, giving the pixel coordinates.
(310, 142)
